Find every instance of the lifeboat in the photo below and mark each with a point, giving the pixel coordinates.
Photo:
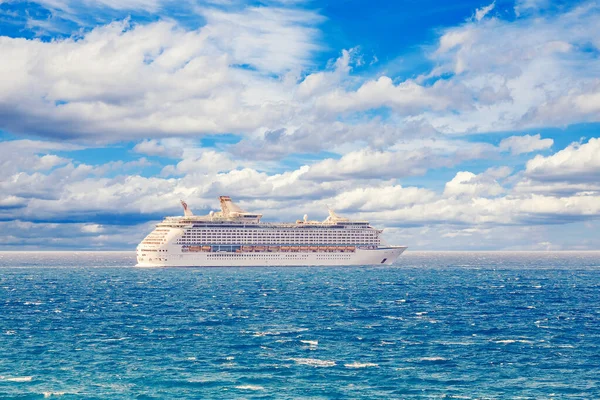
(285, 248)
(350, 249)
(303, 248)
(194, 248)
(273, 249)
(294, 249)
(259, 248)
(206, 248)
(314, 248)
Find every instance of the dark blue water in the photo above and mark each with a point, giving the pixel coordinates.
(437, 325)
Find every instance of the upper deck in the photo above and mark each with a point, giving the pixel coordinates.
(233, 216)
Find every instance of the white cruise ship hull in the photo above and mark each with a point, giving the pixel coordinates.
(380, 256)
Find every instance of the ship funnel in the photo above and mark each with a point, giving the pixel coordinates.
(186, 211)
(229, 208)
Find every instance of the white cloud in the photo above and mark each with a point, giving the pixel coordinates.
(203, 163)
(405, 98)
(537, 66)
(92, 228)
(404, 159)
(242, 73)
(122, 81)
(576, 163)
(525, 144)
(483, 11)
(272, 39)
(31, 155)
(524, 6)
(471, 204)
(68, 5)
(169, 147)
(466, 183)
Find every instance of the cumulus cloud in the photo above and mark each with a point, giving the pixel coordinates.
(95, 203)
(249, 73)
(170, 147)
(242, 73)
(203, 162)
(403, 159)
(576, 163)
(525, 144)
(31, 155)
(538, 66)
(468, 184)
(405, 98)
(124, 81)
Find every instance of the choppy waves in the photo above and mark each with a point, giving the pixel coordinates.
(439, 325)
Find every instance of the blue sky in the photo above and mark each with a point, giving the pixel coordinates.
(463, 125)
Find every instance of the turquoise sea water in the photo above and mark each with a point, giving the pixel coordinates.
(436, 325)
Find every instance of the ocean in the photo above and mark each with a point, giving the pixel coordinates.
(87, 325)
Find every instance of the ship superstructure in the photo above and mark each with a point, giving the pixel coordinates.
(235, 237)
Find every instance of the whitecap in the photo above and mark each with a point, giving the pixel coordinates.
(509, 341)
(51, 394)
(314, 362)
(431, 359)
(16, 378)
(457, 343)
(250, 387)
(361, 365)
(311, 343)
(268, 333)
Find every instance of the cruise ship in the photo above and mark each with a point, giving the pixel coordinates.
(234, 237)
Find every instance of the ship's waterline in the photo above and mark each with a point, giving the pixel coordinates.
(234, 237)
